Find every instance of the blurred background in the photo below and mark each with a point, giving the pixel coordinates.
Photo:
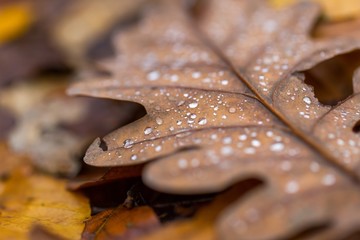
(44, 45)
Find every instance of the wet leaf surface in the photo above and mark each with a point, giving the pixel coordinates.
(226, 101)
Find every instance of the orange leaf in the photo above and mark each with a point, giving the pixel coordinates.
(15, 20)
(121, 223)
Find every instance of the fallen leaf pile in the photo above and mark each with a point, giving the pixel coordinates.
(233, 119)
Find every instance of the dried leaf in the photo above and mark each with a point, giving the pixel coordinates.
(121, 223)
(29, 198)
(95, 177)
(338, 29)
(201, 226)
(225, 102)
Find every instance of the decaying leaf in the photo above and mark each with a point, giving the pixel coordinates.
(28, 198)
(95, 177)
(226, 101)
(337, 29)
(201, 226)
(121, 223)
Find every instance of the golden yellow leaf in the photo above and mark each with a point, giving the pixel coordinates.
(15, 19)
(334, 9)
(28, 198)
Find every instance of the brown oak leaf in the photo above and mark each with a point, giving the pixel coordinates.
(226, 101)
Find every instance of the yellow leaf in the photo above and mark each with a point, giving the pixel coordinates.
(15, 19)
(333, 9)
(28, 198)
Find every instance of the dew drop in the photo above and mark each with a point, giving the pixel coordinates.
(328, 179)
(213, 136)
(152, 76)
(180, 103)
(182, 163)
(249, 150)
(227, 150)
(192, 115)
(277, 147)
(202, 121)
(159, 121)
(242, 137)
(269, 134)
(232, 110)
(340, 142)
(128, 143)
(224, 82)
(148, 130)
(196, 74)
(292, 187)
(158, 148)
(307, 100)
(227, 140)
(174, 78)
(133, 157)
(193, 105)
(255, 143)
(314, 167)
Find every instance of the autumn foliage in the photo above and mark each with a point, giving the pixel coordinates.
(235, 120)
